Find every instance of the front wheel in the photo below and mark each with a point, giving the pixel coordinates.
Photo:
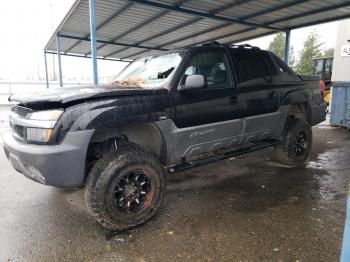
(296, 143)
(125, 188)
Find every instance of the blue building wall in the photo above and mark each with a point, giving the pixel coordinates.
(340, 108)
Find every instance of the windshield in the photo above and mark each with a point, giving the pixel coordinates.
(149, 72)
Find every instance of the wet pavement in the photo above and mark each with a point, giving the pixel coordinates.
(242, 209)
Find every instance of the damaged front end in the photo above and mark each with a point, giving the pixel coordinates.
(29, 148)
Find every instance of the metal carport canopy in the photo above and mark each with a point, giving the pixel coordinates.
(126, 29)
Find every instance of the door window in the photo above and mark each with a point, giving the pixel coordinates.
(250, 68)
(213, 65)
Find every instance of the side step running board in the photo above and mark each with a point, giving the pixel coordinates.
(214, 158)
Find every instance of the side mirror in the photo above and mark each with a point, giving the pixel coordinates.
(193, 82)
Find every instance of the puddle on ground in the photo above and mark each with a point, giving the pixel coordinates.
(336, 159)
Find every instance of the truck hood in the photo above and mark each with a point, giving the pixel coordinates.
(65, 95)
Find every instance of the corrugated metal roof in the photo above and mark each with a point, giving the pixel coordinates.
(130, 28)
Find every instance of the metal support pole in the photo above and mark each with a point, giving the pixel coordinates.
(287, 47)
(46, 71)
(93, 40)
(58, 46)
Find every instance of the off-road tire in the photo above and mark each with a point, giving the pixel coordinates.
(286, 152)
(109, 170)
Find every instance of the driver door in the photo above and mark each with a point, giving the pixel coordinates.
(207, 118)
(217, 100)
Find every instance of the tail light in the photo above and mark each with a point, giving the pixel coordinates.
(323, 88)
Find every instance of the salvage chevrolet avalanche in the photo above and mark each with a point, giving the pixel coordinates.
(164, 113)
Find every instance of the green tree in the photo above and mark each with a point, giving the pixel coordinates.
(328, 52)
(277, 46)
(310, 50)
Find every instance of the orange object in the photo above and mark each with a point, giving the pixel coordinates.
(323, 88)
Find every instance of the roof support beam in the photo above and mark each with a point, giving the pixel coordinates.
(323, 9)
(157, 35)
(228, 6)
(46, 71)
(286, 5)
(321, 21)
(187, 37)
(112, 43)
(276, 8)
(210, 39)
(133, 29)
(89, 57)
(312, 12)
(287, 47)
(270, 26)
(191, 21)
(93, 40)
(241, 40)
(266, 11)
(138, 26)
(123, 9)
(204, 14)
(58, 48)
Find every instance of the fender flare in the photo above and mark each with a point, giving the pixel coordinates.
(297, 97)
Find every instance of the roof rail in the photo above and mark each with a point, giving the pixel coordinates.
(248, 46)
(211, 43)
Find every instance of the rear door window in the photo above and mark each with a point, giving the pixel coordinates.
(251, 68)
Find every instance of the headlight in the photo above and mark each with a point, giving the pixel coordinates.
(38, 134)
(47, 115)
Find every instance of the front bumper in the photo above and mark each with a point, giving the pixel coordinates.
(61, 165)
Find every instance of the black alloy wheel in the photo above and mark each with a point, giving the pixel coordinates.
(300, 143)
(133, 192)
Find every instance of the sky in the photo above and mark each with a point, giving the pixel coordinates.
(327, 32)
(26, 26)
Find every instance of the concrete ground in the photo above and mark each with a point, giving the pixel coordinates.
(244, 209)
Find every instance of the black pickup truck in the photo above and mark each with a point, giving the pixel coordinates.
(164, 113)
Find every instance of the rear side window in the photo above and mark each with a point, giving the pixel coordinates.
(282, 67)
(270, 63)
(250, 67)
(285, 72)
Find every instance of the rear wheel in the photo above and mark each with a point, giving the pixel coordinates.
(125, 188)
(296, 143)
